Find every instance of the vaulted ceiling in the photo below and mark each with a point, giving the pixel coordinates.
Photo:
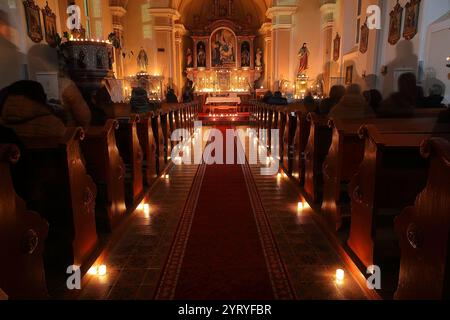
(256, 9)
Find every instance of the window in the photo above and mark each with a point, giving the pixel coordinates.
(88, 19)
(358, 21)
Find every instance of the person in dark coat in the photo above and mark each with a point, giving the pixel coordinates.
(401, 104)
(277, 99)
(336, 94)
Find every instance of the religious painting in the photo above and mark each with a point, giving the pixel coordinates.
(201, 55)
(223, 44)
(364, 41)
(412, 9)
(349, 75)
(395, 24)
(34, 26)
(337, 47)
(245, 54)
(49, 25)
(303, 56)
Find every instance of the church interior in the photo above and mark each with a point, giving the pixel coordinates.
(224, 150)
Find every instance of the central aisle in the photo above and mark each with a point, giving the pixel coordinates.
(218, 252)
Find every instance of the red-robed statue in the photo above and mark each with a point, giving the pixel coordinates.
(303, 56)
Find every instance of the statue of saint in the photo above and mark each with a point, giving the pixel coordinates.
(189, 61)
(142, 60)
(201, 56)
(258, 60)
(303, 56)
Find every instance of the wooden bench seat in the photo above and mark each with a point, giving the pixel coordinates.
(59, 188)
(346, 153)
(316, 150)
(149, 148)
(22, 237)
(132, 155)
(159, 139)
(423, 231)
(106, 167)
(389, 177)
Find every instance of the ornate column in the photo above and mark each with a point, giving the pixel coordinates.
(266, 32)
(164, 27)
(180, 31)
(118, 11)
(281, 42)
(327, 13)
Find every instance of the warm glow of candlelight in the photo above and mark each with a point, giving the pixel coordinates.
(93, 271)
(340, 275)
(102, 270)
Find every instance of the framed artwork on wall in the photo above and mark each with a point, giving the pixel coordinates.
(364, 43)
(412, 9)
(49, 25)
(349, 75)
(34, 26)
(395, 24)
(337, 47)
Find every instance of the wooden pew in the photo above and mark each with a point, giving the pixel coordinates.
(130, 150)
(59, 188)
(106, 167)
(22, 237)
(390, 176)
(423, 231)
(148, 146)
(315, 152)
(291, 140)
(165, 125)
(159, 139)
(346, 153)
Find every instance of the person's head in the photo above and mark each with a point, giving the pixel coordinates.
(436, 90)
(278, 94)
(373, 98)
(353, 89)
(407, 85)
(337, 92)
(31, 89)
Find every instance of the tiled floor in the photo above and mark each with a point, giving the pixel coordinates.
(136, 263)
(310, 260)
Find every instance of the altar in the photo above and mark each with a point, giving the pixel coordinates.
(222, 58)
(223, 100)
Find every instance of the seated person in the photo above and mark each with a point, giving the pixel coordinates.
(277, 99)
(268, 95)
(309, 103)
(139, 101)
(76, 109)
(25, 110)
(188, 92)
(171, 97)
(336, 94)
(434, 100)
(373, 98)
(401, 104)
(352, 105)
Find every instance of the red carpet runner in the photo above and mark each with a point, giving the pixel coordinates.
(224, 249)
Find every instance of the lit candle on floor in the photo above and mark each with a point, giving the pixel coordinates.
(340, 274)
(102, 270)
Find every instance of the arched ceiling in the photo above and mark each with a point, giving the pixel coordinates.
(203, 9)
